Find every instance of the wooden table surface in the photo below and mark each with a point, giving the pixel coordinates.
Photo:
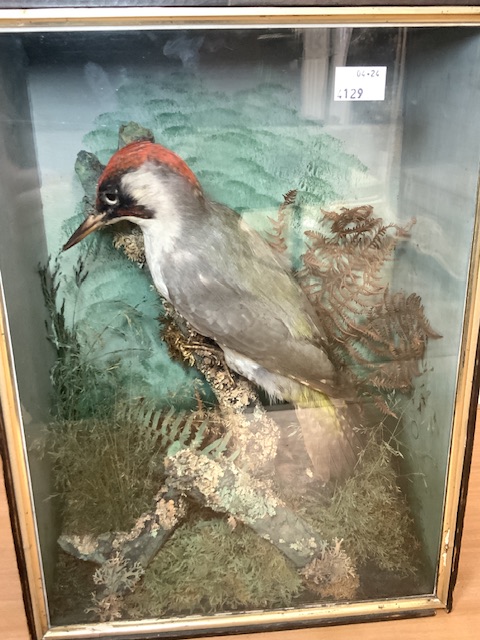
(462, 624)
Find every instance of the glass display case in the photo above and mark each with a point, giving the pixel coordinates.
(239, 312)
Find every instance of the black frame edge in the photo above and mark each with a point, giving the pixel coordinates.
(467, 464)
(16, 530)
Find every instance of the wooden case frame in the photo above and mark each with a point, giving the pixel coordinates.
(13, 445)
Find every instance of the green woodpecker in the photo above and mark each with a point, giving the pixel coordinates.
(231, 286)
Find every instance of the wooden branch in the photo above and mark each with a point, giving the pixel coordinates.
(221, 486)
(139, 545)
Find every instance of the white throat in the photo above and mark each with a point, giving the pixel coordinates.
(146, 187)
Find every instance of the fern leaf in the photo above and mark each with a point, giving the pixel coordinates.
(218, 446)
(165, 424)
(199, 435)
(186, 432)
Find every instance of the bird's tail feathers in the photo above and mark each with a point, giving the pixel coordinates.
(330, 433)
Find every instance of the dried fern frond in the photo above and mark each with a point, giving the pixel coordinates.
(276, 239)
(378, 336)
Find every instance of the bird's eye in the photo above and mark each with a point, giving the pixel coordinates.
(110, 198)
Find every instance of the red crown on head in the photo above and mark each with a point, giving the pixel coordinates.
(135, 154)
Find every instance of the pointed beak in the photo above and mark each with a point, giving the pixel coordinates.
(92, 223)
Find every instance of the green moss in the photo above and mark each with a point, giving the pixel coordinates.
(207, 566)
(370, 513)
(106, 471)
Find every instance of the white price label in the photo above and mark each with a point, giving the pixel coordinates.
(360, 83)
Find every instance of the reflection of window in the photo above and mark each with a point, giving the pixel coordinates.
(323, 50)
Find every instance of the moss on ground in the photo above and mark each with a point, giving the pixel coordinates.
(107, 472)
(208, 566)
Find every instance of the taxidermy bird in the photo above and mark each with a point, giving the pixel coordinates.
(231, 286)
